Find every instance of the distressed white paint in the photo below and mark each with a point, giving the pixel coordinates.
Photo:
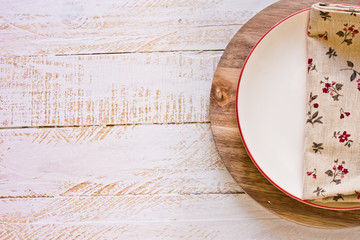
(152, 217)
(132, 182)
(258, 227)
(121, 209)
(106, 89)
(120, 160)
(81, 26)
(252, 228)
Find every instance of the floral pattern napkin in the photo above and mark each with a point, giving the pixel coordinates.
(332, 129)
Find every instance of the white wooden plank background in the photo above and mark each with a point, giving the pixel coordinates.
(89, 26)
(170, 87)
(114, 96)
(112, 161)
(152, 217)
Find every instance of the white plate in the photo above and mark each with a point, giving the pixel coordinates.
(271, 105)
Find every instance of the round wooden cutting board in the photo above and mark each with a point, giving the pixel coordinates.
(226, 132)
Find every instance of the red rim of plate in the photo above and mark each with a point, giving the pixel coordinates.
(244, 141)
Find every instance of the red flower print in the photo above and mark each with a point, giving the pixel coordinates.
(346, 32)
(343, 113)
(358, 194)
(313, 173)
(313, 117)
(332, 88)
(358, 85)
(344, 137)
(311, 66)
(324, 35)
(338, 172)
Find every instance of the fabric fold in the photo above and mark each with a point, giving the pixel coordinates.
(332, 128)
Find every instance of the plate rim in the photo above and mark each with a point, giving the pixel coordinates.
(243, 139)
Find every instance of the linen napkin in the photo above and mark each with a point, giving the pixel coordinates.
(332, 129)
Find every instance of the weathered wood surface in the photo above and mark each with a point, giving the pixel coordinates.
(226, 133)
(156, 174)
(106, 89)
(247, 228)
(111, 161)
(73, 27)
(129, 208)
(151, 217)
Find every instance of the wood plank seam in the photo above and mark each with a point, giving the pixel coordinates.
(101, 125)
(137, 194)
(108, 161)
(116, 53)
